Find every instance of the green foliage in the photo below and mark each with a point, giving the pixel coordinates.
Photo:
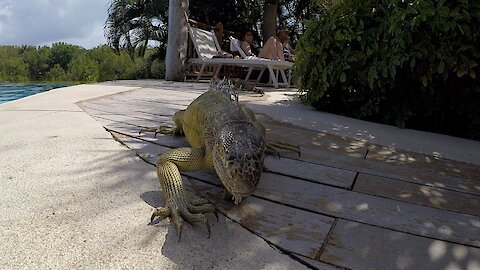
(409, 63)
(113, 66)
(157, 69)
(56, 73)
(240, 15)
(63, 62)
(38, 60)
(83, 69)
(12, 66)
(62, 54)
(131, 24)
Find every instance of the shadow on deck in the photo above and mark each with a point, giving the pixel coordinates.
(343, 204)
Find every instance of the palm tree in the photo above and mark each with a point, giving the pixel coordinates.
(132, 24)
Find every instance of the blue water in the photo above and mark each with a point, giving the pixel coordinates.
(13, 91)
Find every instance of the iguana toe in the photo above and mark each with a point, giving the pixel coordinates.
(201, 205)
(189, 211)
(192, 218)
(169, 130)
(162, 212)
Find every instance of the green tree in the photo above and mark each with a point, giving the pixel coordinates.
(28, 63)
(38, 60)
(113, 66)
(14, 70)
(56, 73)
(264, 16)
(132, 24)
(62, 54)
(83, 69)
(12, 66)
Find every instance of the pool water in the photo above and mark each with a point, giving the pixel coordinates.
(13, 91)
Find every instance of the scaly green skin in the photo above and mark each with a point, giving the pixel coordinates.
(224, 137)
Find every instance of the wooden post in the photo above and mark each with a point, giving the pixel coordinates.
(177, 40)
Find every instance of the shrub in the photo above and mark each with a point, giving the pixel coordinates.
(409, 63)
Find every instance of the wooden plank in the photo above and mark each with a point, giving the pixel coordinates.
(396, 215)
(342, 153)
(432, 163)
(418, 194)
(292, 230)
(304, 170)
(360, 207)
(420, 176)
(133, 108)
(160, 85)
(148, 149)
(310, 140)
(130, 125)
(129, 119)
(310, 171)
(315, 264)
(187, 92)
(125, 108)
(334, 151)
(359, 246)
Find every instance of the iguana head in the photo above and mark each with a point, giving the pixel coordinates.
(238, 156)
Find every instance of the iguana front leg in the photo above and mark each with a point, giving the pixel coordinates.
(178, 206)
(169, 130)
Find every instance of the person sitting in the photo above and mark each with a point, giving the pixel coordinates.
(249, 46)
(276, 48)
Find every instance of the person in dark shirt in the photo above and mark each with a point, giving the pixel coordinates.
(249, 46)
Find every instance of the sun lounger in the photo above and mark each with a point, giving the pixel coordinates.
(206, 46)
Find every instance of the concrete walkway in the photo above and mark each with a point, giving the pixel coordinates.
(361, 196)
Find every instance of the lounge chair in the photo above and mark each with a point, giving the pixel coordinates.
(206, 46)
(280, 66)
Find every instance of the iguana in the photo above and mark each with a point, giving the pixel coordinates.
(225, 137)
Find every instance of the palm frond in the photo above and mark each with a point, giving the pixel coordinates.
(131, 24)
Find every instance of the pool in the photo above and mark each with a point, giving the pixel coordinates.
(13, 91)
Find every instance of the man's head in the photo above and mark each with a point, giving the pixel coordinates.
(282, 34)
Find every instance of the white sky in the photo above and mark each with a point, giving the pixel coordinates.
(43, 22)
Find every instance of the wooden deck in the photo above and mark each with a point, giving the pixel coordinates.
(342, 204)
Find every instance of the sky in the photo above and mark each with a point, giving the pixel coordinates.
(43, 22)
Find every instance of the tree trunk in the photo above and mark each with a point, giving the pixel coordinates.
(177, 40)
(269, 27)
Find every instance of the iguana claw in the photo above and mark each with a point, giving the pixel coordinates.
(162, 212)
(193, 212)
